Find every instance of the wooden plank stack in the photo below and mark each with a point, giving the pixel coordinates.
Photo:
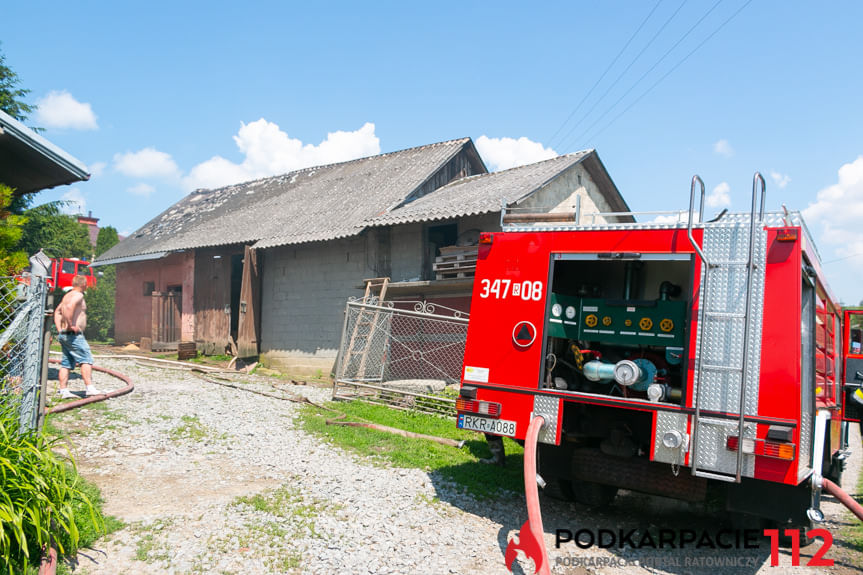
(455, 262)
(186, 350)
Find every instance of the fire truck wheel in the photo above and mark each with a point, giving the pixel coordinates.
(560, 489)
(786, 541)
(593, 494)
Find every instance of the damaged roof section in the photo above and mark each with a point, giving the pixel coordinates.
(483, 194)
(29, 162)
(312, 204)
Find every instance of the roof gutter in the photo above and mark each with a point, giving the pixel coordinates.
(128, 259)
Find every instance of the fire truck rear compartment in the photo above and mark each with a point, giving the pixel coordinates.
(616, 325)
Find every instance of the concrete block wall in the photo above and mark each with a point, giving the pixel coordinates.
(304, 290)
(407, 252)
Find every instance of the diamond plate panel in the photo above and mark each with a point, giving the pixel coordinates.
(720, 391)
(726, 246)
(712, 452)
(803, 466)
(668, 421)
(723, 342)
(548, 408)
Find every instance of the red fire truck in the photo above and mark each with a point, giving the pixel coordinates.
(677, 359)
(64, 269)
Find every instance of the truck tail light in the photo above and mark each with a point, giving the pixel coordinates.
(485, 238)
(489, 408)
(762, 448)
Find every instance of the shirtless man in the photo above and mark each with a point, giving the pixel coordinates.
(70, 318)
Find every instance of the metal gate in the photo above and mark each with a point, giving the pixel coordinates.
(403, 354)
(22, 312)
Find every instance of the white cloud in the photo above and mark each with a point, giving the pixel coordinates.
(723, 148)
(720, 196)
(141, 189)
(781, 180)
(74, 202)
(59, 109)
(837, 212)
(269, 151)
(505, 153)
(840, 206)
(97, 169)
(146, 163)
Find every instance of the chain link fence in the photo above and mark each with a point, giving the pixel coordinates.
(22, 313)
(406, 355)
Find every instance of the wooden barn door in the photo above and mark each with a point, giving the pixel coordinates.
(249, 329)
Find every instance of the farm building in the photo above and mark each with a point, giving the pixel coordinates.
(265, 267)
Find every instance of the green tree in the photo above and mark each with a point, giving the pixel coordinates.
(11, 95)
(100, 300)
(106, 239)
(60, 235)
(12, 261)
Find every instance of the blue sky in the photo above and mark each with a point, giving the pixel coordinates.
(157, 98)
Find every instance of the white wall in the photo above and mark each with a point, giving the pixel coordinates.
(560, 195)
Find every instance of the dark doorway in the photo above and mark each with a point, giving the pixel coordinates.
(436, 238)
(236, 287)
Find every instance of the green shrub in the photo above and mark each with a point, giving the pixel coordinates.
(41, 498)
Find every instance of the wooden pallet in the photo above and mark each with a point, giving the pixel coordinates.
(458, 250)
(451, 275)
(455, 265)
(455, 262)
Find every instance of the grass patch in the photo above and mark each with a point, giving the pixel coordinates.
(149, 547)
(90, 418)
(190, 428)
(854, 532)
(460, 466)
(89, 532)
(210, 359)
(282, 502)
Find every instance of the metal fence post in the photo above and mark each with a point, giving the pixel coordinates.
(32, 372)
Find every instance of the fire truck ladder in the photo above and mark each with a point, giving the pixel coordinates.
(710, 308)
(366, 323)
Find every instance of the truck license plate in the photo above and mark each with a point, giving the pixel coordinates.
(487, 425)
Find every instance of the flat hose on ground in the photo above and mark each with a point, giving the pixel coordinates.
(79, 402)
(530, 537)
(843, 497)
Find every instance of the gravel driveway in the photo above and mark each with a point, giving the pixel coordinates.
(210, 479)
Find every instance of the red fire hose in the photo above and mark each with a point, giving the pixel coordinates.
(79, 402)
(843, 497)
(530, 537)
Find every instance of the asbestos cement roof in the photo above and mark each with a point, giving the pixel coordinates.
(482, 194)
(312, 204)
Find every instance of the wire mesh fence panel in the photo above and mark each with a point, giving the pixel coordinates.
(22, 307)
(404, 357)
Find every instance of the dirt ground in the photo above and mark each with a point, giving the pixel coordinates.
(174, 458)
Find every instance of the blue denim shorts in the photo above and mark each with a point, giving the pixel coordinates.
(76, 350)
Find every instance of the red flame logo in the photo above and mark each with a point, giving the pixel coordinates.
(527, 543)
